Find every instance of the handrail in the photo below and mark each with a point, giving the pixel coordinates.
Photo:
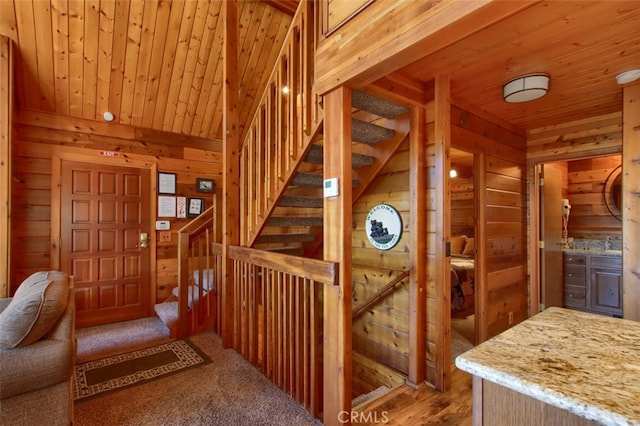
(200, 222)
(311, 269)
(380, 294)
(283, 128)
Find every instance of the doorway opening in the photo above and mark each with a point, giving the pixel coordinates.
(573, 214)
(463, 208)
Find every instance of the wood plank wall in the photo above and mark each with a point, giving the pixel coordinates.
(589, 217)
(34, 146)
(501, 243)
(631, 202)
(382, 332)
(6, 136)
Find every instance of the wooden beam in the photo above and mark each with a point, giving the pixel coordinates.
(337, 248)
(631, 202)
(231, 177)
(287, 6)
(418, 216)
(121, 131)
(6, 116)
(388, 35)
(442, 226)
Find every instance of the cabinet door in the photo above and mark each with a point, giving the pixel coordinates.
(606, 291)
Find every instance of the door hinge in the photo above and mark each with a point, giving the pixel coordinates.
(541, 181)
(541, 243)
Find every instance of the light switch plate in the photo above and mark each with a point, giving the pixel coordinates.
(331, 187)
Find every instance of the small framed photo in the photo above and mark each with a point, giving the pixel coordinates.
(196, 207)
(205, 185)
(166, 183)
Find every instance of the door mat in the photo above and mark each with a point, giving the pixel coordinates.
(118, 372)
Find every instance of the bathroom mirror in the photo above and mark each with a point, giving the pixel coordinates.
(613, 193)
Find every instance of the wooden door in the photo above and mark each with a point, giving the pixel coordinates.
(104, 211)
(551, 228)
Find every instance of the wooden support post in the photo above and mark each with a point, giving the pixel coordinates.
(231, 176)
(418, 264)
(337, 248)
(631, 202)
(442, 227)
(6, 110)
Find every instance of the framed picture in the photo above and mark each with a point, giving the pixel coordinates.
(205, 185)
(166, 183)
(196, 207)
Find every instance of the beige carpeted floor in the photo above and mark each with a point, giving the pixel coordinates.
(462, 335)
(228, 391)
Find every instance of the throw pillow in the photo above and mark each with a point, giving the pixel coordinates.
(470, 247)
(457, 244)
(35, 308)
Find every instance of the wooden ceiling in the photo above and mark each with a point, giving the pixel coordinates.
(158, 64)
(582, 45)
(153, 64)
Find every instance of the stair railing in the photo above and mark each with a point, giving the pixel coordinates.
(278, 319)
(283, 127)
(379, 295)
(198, 275)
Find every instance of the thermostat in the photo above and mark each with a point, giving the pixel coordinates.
(163, 225)
(331, 187)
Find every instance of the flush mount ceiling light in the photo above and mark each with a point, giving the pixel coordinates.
(108, 116)
(526, 88)
(628, 76)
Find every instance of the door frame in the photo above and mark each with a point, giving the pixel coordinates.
(535, 267)
(56, 205)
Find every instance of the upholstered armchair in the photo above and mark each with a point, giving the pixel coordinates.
(37, 352)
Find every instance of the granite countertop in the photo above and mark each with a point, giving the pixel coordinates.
(584, 363)
(616, 253)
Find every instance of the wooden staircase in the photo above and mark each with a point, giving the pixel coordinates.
(295, 222)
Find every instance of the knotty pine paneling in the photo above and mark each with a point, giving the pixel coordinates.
(32, 157)
(501, 268)
(380, 335)
(155, 64)
(505, 283)
(589, 217)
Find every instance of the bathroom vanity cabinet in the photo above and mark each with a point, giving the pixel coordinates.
(593, 281)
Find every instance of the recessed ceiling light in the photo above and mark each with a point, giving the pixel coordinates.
(628, 76)
(108, 116)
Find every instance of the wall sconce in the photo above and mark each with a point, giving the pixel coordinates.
(453, 173)
(526, 88)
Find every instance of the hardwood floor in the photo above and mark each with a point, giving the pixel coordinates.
(404, 405)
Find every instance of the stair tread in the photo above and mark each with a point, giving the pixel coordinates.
(316, 156)
(295, 221)
(376, 105)
(300, 201)
(369, 133)
(292, 237)
(311, 180)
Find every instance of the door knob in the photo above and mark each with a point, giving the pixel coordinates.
(144, 240)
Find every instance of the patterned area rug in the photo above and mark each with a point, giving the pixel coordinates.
(114, 373)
